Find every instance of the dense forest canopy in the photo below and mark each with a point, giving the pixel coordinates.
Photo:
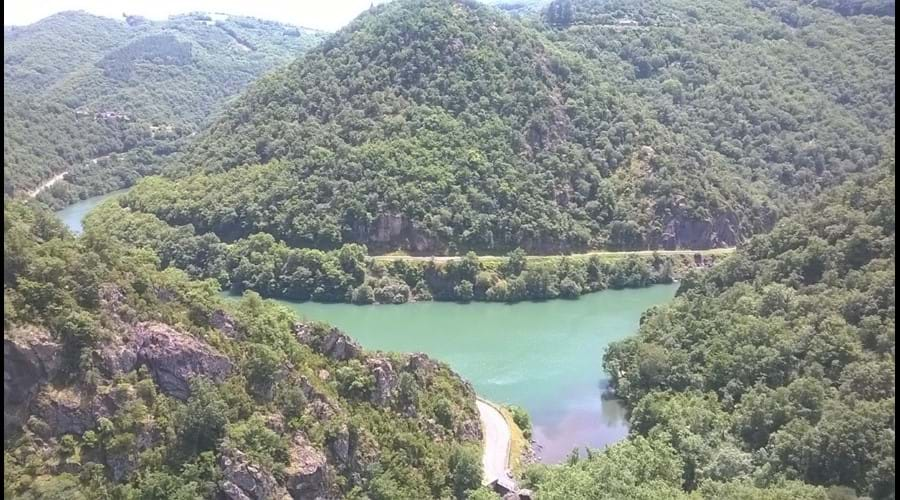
(123, 381)
(107, 101)
(776, 366)
(440, 127)
(347, 274)
(448, 127)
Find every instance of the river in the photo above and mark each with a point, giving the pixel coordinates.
(73, 215)
(543, 356)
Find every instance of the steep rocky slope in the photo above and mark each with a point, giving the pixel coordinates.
(120, 380)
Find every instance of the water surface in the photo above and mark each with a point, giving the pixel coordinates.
(543, 356)
(74, 214)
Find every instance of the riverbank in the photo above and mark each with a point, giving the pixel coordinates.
(603, 254)
(544, 357)
(274, 269)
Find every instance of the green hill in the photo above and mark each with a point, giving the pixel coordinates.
(438, 127)
(776, 366)
(107, 101)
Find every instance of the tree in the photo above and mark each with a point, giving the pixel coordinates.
(465, 470)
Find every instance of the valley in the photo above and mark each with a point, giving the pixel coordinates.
(517, 249)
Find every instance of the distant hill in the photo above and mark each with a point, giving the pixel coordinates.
(438, 127)
(79, 88)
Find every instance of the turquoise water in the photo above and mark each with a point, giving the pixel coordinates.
(73, 215)
(543, 356)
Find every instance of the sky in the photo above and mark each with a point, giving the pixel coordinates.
(328, 15)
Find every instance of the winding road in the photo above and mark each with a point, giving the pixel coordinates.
(496, 442)
(46, 184)
(604, 254)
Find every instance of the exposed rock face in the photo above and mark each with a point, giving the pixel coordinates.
(244, 480)
(122, 465)
(387, 227)
(173, 358)
(112, 302)
(340, 447)
(334, 345)
(340, 347)
(686, 232)
(305, 476)
(70, 411)
(30, 359)
(393, 230)
(385, 381)
(469, 430)
(421, 366)
(222, 321)
(231, 491)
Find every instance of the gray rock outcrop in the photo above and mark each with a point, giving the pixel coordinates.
(245, 480)
(173, 358)
(30, 359)
(305, 475)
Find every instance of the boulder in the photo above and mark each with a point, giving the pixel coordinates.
(305, 475)
(244, 480)
(339, 346)
(334, 344)
(223, 322)
(30, 358)
(175, 358)
(385, 381)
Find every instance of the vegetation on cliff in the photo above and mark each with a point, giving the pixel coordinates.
(124, 381)
(775, 368)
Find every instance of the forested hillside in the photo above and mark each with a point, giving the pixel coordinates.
(122, 381)
(107, 101)
(777, 365)
(442, 126)
(348, 274)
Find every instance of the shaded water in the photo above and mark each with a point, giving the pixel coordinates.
(543, 356)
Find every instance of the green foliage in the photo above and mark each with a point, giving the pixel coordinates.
(465, 469)
(263, 445)
(778, 363)
(522, 419)
(139, 441)
(108, 101)
(441, 127)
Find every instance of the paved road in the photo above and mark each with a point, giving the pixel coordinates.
(444, 258)
(496, 442)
